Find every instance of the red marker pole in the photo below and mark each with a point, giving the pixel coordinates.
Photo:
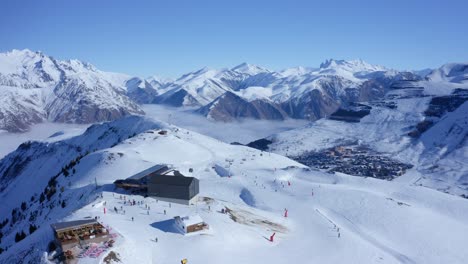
(272, 237)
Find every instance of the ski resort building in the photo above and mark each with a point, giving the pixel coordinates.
(190, 224)
(164, 183)
(176, 189)
(140, 180)
(79, 233)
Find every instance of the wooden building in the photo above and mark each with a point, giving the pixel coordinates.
(79, 233)
(189, 224)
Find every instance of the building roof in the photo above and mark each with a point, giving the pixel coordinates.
(73, 224)
(172, 180)
(191, 220)
(159, 168)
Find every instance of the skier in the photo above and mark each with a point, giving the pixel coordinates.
(147, 212)
(169, 205)
(164, 212)
(289, 183)
(104, 210)
(156, 239)
(285, 212)
(132, 218)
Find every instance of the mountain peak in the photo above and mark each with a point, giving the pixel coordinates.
(23, 52)
(249, 68)
(357, 65)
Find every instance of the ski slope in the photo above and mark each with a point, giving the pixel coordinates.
(331, 218)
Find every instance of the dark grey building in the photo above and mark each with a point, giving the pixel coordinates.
(177, 189)
(140, 180)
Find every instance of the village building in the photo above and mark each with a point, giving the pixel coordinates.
(79, 233)
(189, 224)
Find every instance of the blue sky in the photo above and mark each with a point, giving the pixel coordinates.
(169, 38)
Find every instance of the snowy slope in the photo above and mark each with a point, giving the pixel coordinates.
(451, 72)
(437, 151)
(331, 218)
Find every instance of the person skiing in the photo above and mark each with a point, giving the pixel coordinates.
(164, 212)
(156, 239)
(285, 212)
(132, 218)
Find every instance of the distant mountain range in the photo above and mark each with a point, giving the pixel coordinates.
(35, 87)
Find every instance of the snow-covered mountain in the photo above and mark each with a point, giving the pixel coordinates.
(35, 87)
(230, 106)
(451, 72)
(410, 125)
(331, 219)
(305, 93)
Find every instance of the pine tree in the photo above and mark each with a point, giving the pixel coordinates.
(32, 228)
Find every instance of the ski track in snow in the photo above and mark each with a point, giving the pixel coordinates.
(348, 225)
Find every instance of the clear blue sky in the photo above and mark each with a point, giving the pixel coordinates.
(172, 37)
